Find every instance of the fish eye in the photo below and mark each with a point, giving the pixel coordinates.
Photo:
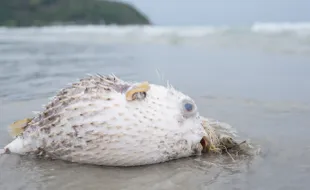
(188, 107)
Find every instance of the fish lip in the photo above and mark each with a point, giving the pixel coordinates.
(206, 144)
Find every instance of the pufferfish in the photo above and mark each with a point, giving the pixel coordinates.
(104, 120)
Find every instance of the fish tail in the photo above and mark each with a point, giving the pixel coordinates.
(18, 127)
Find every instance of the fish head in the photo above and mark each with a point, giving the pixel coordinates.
(170, 110)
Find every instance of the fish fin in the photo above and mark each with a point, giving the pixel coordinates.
(139, 88)
(18, 127)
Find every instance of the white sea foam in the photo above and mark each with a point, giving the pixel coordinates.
(191, 31)
(298, 28)
(280, 37)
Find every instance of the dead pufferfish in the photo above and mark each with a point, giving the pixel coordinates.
(104, 120)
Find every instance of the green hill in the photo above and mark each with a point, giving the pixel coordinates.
(49, 12)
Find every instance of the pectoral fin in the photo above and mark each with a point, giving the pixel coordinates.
(141, 88)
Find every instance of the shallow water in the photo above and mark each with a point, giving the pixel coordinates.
(263, 94)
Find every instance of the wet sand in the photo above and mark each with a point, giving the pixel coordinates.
(264, 96)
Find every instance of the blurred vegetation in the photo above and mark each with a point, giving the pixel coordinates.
(48, 12)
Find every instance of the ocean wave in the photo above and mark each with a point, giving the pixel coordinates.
(192, 31)
(301, 28)
(123, 30)
(280, 37)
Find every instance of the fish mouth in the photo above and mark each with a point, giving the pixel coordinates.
(206, 144)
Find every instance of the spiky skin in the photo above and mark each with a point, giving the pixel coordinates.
(92, 122)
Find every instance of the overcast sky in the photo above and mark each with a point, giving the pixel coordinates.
(222, 12)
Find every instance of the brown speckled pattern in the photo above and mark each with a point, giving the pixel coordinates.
(91, 122)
